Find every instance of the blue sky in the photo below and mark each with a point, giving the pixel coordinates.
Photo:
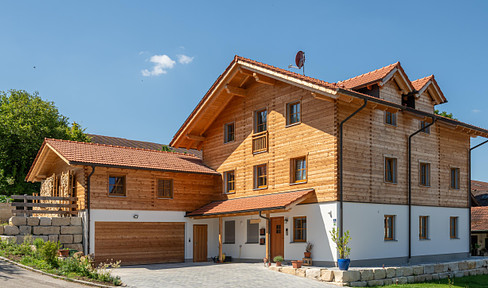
(93, 58)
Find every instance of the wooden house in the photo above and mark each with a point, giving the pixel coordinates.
(285, 159)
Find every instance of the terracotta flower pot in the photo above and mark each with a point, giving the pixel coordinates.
(297, 264)
(278, 264)
(63, 252)
(307, 254)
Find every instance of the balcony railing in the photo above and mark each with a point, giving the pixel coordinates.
(260, 142)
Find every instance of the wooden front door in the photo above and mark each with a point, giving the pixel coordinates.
(277, 237)
(200, 243)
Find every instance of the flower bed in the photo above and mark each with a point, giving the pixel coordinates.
(43, 256)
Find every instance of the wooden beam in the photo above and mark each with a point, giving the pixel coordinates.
(245, 72)
(236, 91)
(346, 98)
(220, 240)
(246, 77)
(263, 79)
(195, 137)
(322, 97)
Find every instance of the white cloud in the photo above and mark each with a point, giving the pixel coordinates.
(476, 111)
(161, 64)
(183, 59)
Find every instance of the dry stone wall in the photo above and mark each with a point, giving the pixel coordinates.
(66, 230)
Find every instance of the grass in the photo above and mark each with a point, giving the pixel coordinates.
(479, 281)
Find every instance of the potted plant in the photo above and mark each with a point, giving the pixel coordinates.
(297, 263)
(63, 252)
(308, 250)
(278, 260)
(344, 251)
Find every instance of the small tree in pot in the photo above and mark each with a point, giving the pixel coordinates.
(278, 260)
(308, 250)
(344, 251)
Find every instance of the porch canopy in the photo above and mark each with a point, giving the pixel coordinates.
(270, 203)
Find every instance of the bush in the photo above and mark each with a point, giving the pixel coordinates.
(38, 242)
(49, 253)
(278, 259)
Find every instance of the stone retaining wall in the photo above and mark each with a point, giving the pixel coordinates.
(5, 212)
(66, 230)
(363, 277)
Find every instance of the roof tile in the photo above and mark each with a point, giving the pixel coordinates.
(479, 218)
(370, 77)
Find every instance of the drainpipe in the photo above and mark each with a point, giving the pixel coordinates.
(88, 208)
(341, 196)
(469, 193)
(268, 225)
(434, 119)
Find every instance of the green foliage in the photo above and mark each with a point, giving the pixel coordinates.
(25, 120)
(444, 114)
(38, 243)
(166, 148)
(478, 281)
(5, 199)
(49, 253)
(278, 259)
(341, 242)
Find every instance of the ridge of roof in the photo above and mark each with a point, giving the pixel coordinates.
(420, 83)
(116, 146)
(381, 73)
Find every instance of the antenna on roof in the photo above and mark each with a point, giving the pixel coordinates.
(299, 61)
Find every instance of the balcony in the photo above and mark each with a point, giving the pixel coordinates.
(260, 142)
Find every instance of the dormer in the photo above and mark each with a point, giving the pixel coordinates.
(428, 94)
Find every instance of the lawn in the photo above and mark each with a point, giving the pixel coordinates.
(465, 282)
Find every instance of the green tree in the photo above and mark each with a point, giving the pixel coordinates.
(25, 120)
(166, 148)
(444, 113)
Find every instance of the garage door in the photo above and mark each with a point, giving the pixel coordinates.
(140, 242)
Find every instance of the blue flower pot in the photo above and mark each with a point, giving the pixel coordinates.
(343, 264)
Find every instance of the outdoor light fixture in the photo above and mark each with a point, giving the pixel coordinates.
(135, 216)
(286, 220)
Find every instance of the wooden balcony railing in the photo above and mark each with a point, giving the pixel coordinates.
(260, 142)
(51, 205)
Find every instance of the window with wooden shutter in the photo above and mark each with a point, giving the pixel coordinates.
(116, 186)
(230, 232)
(165, 188)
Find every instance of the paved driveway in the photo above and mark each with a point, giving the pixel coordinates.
(211, 275)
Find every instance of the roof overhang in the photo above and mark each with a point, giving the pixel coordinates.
(46, 156)
(434, 91)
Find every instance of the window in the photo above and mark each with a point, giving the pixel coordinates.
(424, 174)
(454, 178)
(389, 227)
(391, 118)
(423, 227)
(300, 229)
(453, 226)
(230, 181)
(229, 132)
(293, 113)
(230, 232)
(260, 176)
(424, 124)
(260, 121)
(252, 232)
(165, 188)
(299, 170)
(116, 185)
(390, 170)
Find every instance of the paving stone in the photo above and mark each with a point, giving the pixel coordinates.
(367, 275)
(375, 283)
(326, 275)
(428, 269)
(390, 273)
(10, 230)
(25, 230)
(313, 273)
(44, 221)
(17, 220)
(358, 284)
(53, 238)
(65, 239)
(32, 221)
(379, 274)
(71, 230)
(75, 221)
(79, 239)
(60, 221)
(45, 230)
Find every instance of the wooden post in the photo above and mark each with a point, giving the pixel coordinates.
(268, 244)
(220, 240)
(25, 204)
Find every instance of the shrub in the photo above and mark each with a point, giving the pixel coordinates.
(38, 242)
(278, 259)
(49, 252)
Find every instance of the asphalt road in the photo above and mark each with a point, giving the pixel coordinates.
(12, 276)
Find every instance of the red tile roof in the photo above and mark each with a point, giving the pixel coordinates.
(420, 83)
(254, 203)
(108, 155)
(116, 141)
(479, 218)
(370, 77)
(479, 190)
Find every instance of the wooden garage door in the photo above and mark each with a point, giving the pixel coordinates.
(140, 242)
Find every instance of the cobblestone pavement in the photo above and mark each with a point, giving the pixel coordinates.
(12, 276)
(244, 275)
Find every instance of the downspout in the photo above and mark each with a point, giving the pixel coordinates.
(469, 193)
(341, 196)
(88, 208)
(434, 119)
(268, 227)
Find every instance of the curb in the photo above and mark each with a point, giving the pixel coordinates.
(57, 276)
